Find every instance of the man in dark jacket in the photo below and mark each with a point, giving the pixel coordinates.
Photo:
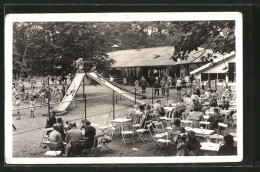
(90, 133)
(143, 84)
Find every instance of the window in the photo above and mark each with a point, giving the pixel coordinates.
(221, 77)
(204, 76)
(213, 76)
(232, 72)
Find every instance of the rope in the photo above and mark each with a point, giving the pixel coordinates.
(34, 129)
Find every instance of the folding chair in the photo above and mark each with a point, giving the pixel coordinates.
(125, 132)
(204, 123)
(216, 137)
(158, 135)
(45, 136)
(186, 123)
(223, 126)
(138, 130)
(97, 145)
(53, 149)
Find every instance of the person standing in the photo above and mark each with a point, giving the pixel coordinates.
(32, 107)
(179, 86)
(156, 86)
(163, 84)
(143, 84)
(124, 81)
(17, 104)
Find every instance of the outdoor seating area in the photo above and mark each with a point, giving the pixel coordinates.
(206, 126)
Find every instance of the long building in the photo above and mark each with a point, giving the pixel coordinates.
(155, 61)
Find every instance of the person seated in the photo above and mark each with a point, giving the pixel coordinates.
(196, 116)
(228, 148)
(224, 103)
(188, 100)
(89, 135)
(74, 134)
(194, 96)
(131, 111)
(214, 119)
(177, 126)
(50, 122)
(157, 108)
(189, 146)
(207, 94)
(139, 113)
(198, 91)
(55, 136)
(67, 126)
(61, 125)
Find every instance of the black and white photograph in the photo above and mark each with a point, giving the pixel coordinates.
(100, 88)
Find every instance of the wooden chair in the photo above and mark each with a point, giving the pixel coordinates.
(204, 123)
(138, 130)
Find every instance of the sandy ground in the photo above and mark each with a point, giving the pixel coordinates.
(27, 137)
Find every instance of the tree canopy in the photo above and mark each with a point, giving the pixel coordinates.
(51, 47)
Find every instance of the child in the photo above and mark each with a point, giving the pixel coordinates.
(17, 104)
(32, 107)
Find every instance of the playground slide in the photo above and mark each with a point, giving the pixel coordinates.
(123, 88)
(103, 81)
(71, 92)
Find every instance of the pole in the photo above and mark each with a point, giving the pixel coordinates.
(135, 95)
(113, 103)
(168, 91)
(85, 99)
(49, 99)
(83, 86)
(152, 95)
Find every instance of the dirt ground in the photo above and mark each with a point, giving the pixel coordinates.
(27, 137)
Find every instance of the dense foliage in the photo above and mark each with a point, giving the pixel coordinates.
(51, 47)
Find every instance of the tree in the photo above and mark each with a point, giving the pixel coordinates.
(215, 35)
(44, 46)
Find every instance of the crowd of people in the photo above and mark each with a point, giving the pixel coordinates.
(41, 95)
(70, 139)
(192, 107)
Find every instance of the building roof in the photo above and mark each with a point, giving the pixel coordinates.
(193, 56)
(218, 59)
(156, 56)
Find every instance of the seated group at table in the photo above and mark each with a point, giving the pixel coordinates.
(205, 106)
(70, 138)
